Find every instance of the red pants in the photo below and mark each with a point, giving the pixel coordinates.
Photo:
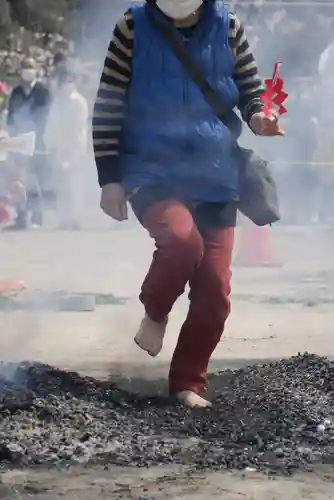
(184, 255)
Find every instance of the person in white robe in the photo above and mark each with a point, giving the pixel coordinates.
(66, 139)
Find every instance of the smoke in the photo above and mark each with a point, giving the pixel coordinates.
(294, 33)
(89, 35)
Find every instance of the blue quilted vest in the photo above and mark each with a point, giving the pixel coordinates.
(171, 136)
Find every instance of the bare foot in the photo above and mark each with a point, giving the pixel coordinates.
(192, 400)
(150, 336)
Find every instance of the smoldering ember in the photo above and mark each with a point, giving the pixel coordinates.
(276, 417)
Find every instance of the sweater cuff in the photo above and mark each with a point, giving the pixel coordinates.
(252, 108)
(108, 170)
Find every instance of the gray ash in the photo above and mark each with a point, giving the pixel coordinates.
(277, 417)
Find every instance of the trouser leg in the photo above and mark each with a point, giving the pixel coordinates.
(179, 251)
(208, 311)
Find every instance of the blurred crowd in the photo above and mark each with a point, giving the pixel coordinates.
(46, 87)
(43, 92)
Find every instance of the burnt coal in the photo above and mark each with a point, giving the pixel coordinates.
(277, 417)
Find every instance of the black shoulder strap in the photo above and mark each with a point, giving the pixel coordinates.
(180, 51)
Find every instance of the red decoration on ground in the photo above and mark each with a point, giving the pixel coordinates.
(274, 93)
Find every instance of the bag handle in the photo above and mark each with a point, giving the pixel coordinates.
(180, 50)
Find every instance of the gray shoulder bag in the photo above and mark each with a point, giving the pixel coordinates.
(258, 199)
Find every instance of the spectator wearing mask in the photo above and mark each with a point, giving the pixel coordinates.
(66, 139)
(158, 143)
(28, 107)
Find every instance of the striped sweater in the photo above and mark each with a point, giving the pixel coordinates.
(116, 77)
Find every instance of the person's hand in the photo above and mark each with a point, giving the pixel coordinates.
(114, 201)
(268, 126)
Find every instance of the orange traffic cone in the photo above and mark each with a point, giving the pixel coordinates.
(255, 248)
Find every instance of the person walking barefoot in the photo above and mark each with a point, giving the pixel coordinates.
(160, 147)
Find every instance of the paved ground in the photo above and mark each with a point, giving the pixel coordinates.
(276, 312)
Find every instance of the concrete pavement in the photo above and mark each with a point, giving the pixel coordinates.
(275, 313)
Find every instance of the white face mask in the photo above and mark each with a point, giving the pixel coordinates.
(28, 75)
(178, 9)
